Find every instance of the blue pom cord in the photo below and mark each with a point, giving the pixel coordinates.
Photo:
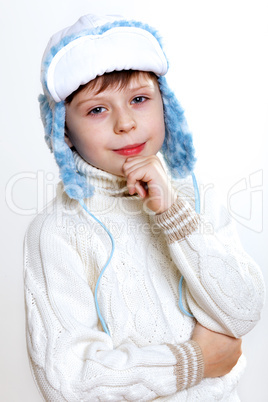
(104, 326)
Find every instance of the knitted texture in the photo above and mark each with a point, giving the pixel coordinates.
(189, 359)
(178, 221)
(148, 355)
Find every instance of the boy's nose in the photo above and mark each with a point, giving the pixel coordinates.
(124, 123)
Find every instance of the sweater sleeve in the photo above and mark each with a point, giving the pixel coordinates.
(72, 359)
(223, 287)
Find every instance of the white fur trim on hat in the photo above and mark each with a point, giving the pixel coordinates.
(85, 58)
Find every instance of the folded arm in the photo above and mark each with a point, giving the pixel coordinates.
(223, 286)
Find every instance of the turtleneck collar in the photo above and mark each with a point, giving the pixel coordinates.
(102, 181)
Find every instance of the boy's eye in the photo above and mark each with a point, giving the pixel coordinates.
(139, 99)
(97, 110)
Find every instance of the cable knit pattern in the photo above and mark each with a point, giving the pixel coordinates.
(149, 354)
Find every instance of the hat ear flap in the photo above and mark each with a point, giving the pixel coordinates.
(75, 185)
(47, 117)
(177, 149)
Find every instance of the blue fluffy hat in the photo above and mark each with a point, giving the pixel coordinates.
(89, 48)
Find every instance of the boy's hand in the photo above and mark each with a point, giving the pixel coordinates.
(146, 177)
(220, 352)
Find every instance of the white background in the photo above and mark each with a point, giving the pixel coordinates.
(218, 69)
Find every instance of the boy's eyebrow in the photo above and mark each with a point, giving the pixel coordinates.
(134, 89)
(84, 101)
(138, 87)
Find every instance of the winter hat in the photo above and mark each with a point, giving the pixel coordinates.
(91, 47)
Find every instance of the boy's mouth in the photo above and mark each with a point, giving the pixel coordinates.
(130, 150)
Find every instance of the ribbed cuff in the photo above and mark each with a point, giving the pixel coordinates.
(178, 221)
(189, 369)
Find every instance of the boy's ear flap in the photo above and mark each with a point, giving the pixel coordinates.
(177, 149)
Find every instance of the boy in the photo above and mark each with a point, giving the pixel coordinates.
(104, 262)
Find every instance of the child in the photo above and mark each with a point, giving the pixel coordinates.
(104, 262)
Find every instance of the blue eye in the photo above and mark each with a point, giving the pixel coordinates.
(139, 99)
(97, 110)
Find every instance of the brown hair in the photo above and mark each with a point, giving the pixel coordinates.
(115, 79)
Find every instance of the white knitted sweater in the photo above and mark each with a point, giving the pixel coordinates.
(149, 354)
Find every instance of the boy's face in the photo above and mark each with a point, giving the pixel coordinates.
(108, 127)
